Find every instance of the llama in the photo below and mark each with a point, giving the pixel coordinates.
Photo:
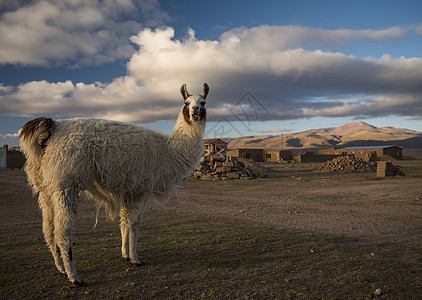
(120, 165)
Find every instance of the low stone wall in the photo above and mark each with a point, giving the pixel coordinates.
(12, 158)
(386, 168)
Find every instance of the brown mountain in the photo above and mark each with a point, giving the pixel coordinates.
(351, 134)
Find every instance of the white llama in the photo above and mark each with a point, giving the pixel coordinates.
(120, 165)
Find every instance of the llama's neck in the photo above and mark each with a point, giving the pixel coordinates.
(186, 144)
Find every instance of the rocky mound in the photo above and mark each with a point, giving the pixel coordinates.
(219, 166)
(346, 164)
(386, 168)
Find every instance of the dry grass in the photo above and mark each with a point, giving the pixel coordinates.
(196, 257)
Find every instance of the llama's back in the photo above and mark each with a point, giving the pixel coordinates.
(112, 160)
(119, 156)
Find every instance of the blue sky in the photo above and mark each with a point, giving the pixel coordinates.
(279, 66)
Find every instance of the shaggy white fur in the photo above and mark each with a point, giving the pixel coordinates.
(120, 165)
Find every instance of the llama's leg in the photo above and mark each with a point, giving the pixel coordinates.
(124, 222)
(131, 220)
(48, 229)
(64, 215)
(136, 218)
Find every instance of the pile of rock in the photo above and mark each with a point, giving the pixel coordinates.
(346, 163)
(386, 168)
(219, 166)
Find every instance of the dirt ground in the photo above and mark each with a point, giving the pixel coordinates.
(370, 210)
(268, 238)
(359, 206)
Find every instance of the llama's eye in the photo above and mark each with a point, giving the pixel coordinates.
(202, 103)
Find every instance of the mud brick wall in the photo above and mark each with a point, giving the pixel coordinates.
(386, 168)
(381, 168)
(253, 154)
(12, 159)
(312, 157)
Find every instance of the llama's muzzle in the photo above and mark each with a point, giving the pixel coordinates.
(195, 113)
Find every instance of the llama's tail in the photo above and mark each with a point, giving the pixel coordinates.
(33, 137)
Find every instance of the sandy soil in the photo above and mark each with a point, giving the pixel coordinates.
(369, 209)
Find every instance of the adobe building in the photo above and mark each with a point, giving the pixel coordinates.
(214, 145)
(275, 155)
(252, 154)
(369, 153)
(312, 157)
(261, 155)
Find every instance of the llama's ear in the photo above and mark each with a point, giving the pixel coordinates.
(184, 91)
(205, 90)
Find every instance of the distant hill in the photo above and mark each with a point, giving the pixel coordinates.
(351, 134)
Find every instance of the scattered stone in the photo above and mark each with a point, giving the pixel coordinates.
(233, 175)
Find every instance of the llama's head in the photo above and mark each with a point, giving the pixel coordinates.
(194, 108)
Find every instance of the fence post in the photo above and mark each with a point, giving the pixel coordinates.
(5, 149)
(381, 168)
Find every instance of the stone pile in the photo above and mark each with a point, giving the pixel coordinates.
(386, 168)
(219, 166)
(346, 163)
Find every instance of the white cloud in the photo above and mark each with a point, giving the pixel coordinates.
(270, 38)
(243, 59)
(280, 130)
(123, 99)
(278, 64)
(7, 135)
(418, 29)
(380, 106)
(282, 78)
(81, 32)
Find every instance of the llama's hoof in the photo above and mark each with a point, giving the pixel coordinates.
(79, 283)
(139, 264)
(62, 274)
(126, 259)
